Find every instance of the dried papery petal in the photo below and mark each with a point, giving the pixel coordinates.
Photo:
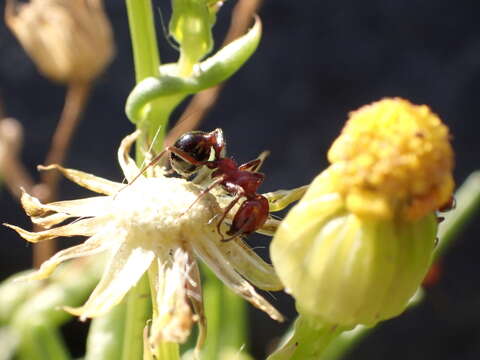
(174, 318)
(195, 296)
(251, 266)
(280, 199)
(84, 227)
(89, 181)
(99, 242)
(218, 263)
(48, 215)
(270, 227)
(128, 165)
(128, 262)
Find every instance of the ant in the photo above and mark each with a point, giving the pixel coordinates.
(193, 150)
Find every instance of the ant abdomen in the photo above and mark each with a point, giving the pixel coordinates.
(251, 215)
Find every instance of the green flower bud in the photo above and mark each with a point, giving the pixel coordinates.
(348, 270)
(355, 249)
(191, 26)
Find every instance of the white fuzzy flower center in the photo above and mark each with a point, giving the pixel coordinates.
(162, 208)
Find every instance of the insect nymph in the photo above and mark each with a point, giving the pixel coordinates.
(195, 150)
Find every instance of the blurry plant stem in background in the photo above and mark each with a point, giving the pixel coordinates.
(75, 102)
(70, 42)
(14, 173)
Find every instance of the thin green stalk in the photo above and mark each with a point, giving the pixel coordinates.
(137, 314)
(147, 63)
(106, 334)
(146, 60)
(227, 318)
(144, 40)
(309, 340)
(467, 199)
(234, 320)
(213, 294)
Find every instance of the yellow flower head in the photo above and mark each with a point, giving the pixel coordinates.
(391, 158)
(356, 247)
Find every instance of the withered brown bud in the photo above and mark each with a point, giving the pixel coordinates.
(68, 40)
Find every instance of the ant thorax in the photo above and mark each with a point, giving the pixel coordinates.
(199, 157)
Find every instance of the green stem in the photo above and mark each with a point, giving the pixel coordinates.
(309, 340)
(146, 59)
(147, 64)
(106, 334)
(144, 40)
(137, 313)
(41, 341)
(467, 200)
(227, 318)
(213, 294)
(235, 312)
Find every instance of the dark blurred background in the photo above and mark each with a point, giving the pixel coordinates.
(317, 61)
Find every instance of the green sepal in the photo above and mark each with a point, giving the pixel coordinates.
(214, 70)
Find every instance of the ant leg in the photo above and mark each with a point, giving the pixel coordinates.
(254, 165)
(155, 160)
(184, 155)
(226, 211)
(204, 192)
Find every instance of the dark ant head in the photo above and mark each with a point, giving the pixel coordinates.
(198, 145)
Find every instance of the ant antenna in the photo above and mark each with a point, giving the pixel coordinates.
(166, 34)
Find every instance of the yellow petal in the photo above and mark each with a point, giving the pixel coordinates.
(83, 227)
(127, 264)
(89, 181)
(251, 266)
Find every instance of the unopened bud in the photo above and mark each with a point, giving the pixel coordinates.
(357, 246)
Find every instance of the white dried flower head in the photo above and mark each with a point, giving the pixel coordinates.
(69, 40)
(151, 225)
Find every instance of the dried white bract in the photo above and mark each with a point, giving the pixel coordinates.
(150, 225)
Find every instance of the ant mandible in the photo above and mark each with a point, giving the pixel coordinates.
(193, 149)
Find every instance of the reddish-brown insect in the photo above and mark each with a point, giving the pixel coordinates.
(196, 149)
(449, 205)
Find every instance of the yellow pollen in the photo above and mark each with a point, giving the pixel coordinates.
(393, 158)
